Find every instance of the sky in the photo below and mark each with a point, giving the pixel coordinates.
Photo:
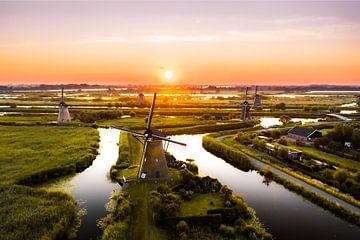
(200, 42)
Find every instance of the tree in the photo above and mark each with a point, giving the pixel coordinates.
(314, 109)
(206, 116)
(163, 189)
(280, 106)
(357, 176)
(226, 231)
(283, 153)
(336, 146)
(243, 138)
(226, 192)
(321, 142)
(182, 226)
(165, 205)
(262, 144)
(328, 174)
(355, 139)
(285, 119)
(341, 176)
(283, 141)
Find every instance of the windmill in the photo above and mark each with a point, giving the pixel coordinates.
(64, 115)
(245, 112)
(257, 99)
(141, 100)
(153, 164)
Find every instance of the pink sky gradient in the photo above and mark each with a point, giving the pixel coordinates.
(202, 42)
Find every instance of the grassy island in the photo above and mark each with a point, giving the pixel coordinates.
(185, 206)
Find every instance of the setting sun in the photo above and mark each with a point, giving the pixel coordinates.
(168, 74)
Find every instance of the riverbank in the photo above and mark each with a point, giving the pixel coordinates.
(144, 206)
(32, 155)
(274, 205)
(334, 209)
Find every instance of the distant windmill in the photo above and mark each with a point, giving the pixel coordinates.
(153, 163)
(141, 100)
(257, 99)
(64, 115)
(245, 107)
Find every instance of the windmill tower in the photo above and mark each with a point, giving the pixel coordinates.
(141, 100)
(153, 164)
(257, 99)
(64, 115)
(245, 108)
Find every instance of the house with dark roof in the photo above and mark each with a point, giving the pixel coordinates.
(303, 134)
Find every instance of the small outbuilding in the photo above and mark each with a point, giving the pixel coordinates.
(303, 134)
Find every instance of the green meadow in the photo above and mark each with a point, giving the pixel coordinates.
(31, 155)
(44, 151)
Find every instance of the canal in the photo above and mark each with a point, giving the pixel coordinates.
(287, 215)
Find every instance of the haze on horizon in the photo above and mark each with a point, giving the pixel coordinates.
(279, 43)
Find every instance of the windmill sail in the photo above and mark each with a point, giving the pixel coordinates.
(245, 107)
(153, 163)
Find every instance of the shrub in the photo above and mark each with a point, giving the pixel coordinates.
(341, 176)
(280, 106)
(165, 205)
(232, 155)
(226, 192)
(192, 168)
(182, 226)
(226, 231)
(206, 116)
(283, 141)
(163, 189)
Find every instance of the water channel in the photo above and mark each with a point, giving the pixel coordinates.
(287, 215)
(92, 187)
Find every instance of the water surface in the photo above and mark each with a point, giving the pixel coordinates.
(287, 215)
(266, 122)
(92, 187)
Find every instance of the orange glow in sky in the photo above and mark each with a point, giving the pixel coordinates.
(198, 43)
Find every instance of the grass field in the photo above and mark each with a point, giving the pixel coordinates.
(34, 154)
(29, 150)
(200, 203)
(28, 213)
(329, 158)
(160, 122)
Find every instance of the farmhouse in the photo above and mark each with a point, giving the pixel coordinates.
(303, 134)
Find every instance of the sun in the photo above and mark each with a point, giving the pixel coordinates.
(168, 74)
